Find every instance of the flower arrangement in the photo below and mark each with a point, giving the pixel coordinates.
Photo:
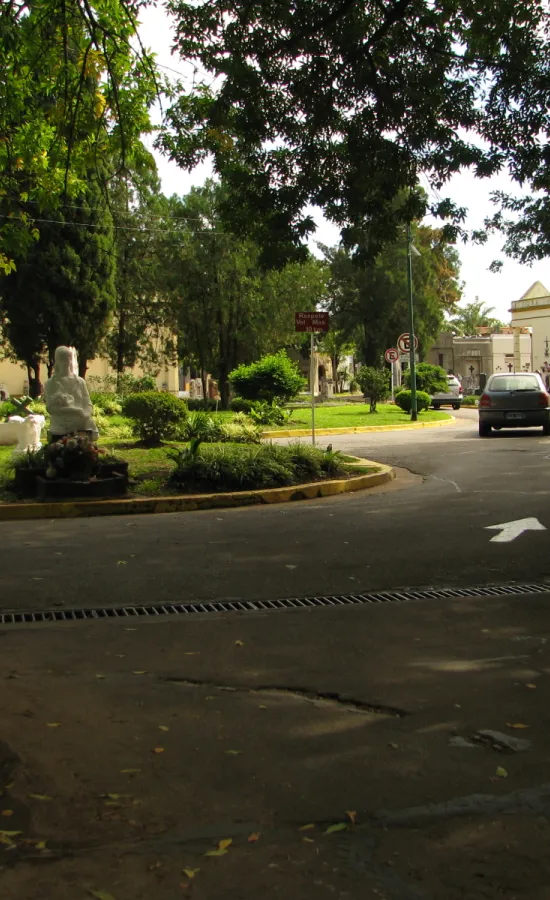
(75, 457)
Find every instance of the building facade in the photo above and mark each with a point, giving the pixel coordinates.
(533, 310)
(483, 354)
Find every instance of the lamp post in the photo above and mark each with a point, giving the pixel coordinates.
(410, 250)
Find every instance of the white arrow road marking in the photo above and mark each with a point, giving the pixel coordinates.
(509, 531)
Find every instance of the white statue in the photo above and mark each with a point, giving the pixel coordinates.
(67, 398)
(25, 432)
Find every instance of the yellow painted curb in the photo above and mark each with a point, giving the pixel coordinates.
(359, 429)
(20, 512)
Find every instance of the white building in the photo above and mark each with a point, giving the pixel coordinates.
(533, 311)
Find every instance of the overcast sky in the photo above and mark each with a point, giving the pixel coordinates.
(496, 290)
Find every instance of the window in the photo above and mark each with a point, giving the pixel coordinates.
(514, 383)
(440, 357)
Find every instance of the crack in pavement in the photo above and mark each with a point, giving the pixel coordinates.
(332, 698)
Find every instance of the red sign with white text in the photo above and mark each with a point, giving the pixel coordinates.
(312, 321)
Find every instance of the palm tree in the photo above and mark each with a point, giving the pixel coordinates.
(473, 316)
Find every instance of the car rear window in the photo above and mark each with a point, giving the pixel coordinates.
(514, 383)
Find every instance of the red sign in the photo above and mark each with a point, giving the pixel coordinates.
(391, 355)
(312, 321)
(404, 342)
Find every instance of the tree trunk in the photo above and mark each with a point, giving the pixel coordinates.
(223, 387)
(82, 366)
(35, 385)
(120, 348)
(204, 379)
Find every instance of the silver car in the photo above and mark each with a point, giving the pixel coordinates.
(515, 400)
(453, 396)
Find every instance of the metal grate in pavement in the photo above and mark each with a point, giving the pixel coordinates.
(224, 606)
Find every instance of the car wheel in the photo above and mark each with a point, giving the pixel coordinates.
(546, 429)
(437, 406)
(484, 429)
(456, 405)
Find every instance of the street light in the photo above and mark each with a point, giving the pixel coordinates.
(410, 250)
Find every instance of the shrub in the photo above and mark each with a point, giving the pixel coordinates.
(240, 468)
(125, 384)
(158, 416)
(470, 401)
(403, 400)
(7, 409)
(241, 433)
(109, 404)
(262, 413)
(202, 426)
(240, 405)
(273, 378)
(375, 384)
(198, 405)
(353, 386)
(430, 379)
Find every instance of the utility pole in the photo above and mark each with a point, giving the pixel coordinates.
(414, 409)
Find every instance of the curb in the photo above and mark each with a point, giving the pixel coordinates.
(359, 429)
(21, 512)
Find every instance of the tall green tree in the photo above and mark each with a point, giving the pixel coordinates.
(74, 95)
(142, 326)
(466, 321)
(369, 302)
(63, 290)
(343, 104)
(229, 309)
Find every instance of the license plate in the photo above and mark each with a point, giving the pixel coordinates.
(515, 415)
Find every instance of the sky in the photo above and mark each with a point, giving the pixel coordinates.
(496, 290)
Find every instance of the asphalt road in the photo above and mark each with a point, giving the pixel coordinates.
(423, 531)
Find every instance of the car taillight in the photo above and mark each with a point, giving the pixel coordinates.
(484, 400)
(544, 400)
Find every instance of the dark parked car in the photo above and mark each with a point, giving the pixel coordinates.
(515, 400)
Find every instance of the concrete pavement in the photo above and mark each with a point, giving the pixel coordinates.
(430, 532)
(318, 745)
(329, 747)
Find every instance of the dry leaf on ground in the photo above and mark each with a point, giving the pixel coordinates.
(255, 836)
(39, 797)
(516, 725)
(352, 816)
(190, 873)
(309, 827)
(101, 895)
(158, 750)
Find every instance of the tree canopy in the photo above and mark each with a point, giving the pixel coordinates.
(343, 104)
(466, 320)
(74, 95)
(369, 302)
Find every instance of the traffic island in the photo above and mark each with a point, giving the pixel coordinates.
(376, 474)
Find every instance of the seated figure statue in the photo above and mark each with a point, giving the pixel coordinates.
(67, 398)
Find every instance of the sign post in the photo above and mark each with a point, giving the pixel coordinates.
(391, 356)
(409, 346)
(312, 322)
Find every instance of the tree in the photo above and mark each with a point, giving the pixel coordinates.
(374, 383)
(274, 379)
(229, 309)
(467, 320)
(63, 289)
(142, 325)
(344, 104)
(336, 344)
(74, 94)
(369, 301)
(430, 379)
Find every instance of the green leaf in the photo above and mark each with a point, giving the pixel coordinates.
(101, 895)
(340, 826)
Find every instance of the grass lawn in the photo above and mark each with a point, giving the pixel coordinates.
(358, 415)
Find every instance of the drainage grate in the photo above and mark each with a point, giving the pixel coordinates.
(224, 606)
